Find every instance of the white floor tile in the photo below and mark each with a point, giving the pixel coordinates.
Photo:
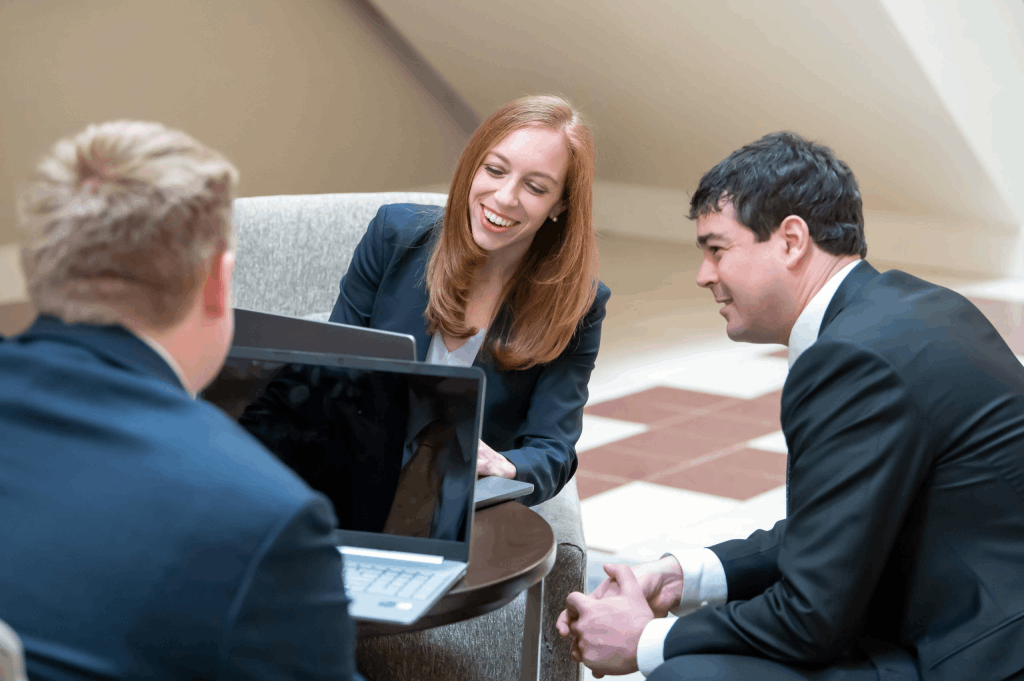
(644, 512)
(625, 374)
(719, 367)
(757, 513)
(729, 375)
(773, 442)
(598, 431)
(1008, 290)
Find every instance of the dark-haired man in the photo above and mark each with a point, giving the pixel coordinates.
(901, 555)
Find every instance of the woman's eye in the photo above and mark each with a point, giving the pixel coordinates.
(536, 189)
(496, 172)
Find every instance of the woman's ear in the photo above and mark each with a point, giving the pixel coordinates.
(557, 210)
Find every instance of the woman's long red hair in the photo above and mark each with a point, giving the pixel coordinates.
(555, 284)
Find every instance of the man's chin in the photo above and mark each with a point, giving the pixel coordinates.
(737, 335)
(747, 335)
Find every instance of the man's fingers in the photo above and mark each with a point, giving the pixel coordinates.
(605, 588)
(578, 602)
(562, 623)
(623, 575)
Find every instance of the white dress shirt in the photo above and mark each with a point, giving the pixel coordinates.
(703, 575)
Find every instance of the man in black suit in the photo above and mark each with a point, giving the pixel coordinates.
(902, 554)
(143, 533)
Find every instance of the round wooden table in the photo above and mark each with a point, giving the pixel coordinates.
(512, 548)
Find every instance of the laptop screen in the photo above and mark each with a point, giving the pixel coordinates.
(392, 444)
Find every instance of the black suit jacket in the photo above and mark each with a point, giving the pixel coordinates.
(143, 534)
(535, 416)
(905, 495)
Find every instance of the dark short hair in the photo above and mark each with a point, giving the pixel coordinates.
(783, 174)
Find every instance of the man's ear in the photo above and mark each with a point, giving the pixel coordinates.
(217, 289)
(796, 236)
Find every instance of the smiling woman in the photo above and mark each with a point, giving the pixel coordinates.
(505, 278)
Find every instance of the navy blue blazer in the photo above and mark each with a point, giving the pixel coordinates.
(905, 500)
(533, 417)
(143, 534)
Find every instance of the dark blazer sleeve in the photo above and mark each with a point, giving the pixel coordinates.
(859, 449)
(290, 618)
(361, 282)
(545, 452)
(751, 565)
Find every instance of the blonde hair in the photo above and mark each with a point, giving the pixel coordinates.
(121, 222)
(556, 282)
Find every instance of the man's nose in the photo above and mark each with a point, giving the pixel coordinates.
(706, 274)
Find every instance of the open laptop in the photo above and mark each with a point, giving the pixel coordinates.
(392, 444)
(265, 330)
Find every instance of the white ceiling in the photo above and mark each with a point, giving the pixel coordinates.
(672, 86)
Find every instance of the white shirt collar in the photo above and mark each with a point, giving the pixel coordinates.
(165, 356)
(805, 331)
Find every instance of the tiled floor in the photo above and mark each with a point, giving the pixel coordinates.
(682, 444)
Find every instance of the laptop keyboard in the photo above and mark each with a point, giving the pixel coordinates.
(398, 582)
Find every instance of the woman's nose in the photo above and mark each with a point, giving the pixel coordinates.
(506, 193)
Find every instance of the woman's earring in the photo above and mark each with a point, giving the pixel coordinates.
(554, 219)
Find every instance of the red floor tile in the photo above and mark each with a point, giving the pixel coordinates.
(659, 404)
(591, 485)
(675, 442)
(729, 428)
(770, 464)
(622, 462)
(739, 478)
(764, 409)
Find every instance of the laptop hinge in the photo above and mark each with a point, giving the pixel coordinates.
(394, 555)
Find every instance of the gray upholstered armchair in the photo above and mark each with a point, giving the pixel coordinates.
(292, 252)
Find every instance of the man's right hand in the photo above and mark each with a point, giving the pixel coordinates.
(661, 582)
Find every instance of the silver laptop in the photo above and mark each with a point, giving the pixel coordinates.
(392, 444)
(265, 330)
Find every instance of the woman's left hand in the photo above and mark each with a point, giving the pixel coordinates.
(490, 462)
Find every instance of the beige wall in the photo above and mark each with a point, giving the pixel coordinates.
(923, 98)
(298, 93)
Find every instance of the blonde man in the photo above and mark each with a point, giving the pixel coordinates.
(144, 533)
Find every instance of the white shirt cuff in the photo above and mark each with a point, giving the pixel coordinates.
(650, 651)
(703, 580)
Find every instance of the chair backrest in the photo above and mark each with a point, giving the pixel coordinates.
(12, 656)
(293, 250)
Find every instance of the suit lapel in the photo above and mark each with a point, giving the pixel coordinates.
(844, 295)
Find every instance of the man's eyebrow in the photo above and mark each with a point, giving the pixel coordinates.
(704, 238)
(506, 162)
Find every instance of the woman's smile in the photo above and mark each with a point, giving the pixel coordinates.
(496, 222)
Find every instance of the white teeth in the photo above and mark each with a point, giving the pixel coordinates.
(496, 221)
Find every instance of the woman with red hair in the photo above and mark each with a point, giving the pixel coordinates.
(505, 278)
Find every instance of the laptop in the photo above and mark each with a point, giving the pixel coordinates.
(492, 490)
(265, 330)
(392, 444)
